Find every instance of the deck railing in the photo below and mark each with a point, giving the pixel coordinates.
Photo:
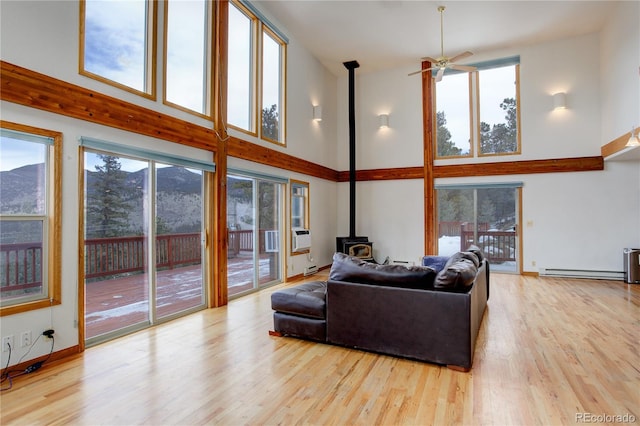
(21, 264)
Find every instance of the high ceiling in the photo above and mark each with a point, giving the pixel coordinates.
(393, 33)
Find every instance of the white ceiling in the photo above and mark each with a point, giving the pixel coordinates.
(393, 33)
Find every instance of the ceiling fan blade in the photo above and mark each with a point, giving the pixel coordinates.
(466, 68)
(421, 71)
(439, 75)
(430, 59)
(461, 56)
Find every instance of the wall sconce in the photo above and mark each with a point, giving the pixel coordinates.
(559, 100)
(317, 113)
(383, 121)
(633, 139)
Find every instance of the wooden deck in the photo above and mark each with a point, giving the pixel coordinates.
(116, 303)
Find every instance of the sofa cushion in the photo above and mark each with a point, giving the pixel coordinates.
(458, 273)
(306, 299)
(477, 251)
(352, 269)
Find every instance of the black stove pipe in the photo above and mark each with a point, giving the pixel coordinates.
(351, 66)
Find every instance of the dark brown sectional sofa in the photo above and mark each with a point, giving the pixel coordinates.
(428, 313)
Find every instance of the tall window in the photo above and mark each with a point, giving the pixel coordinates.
(252, 36)
(29, 218)
(241, 69)
(499, 112)
(492, 120)
(187, 58)
(299, 208)
(117, 43)
(453, 116)
(272, 84)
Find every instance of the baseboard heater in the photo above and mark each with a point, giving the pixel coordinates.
(310, 270)
(581, 273)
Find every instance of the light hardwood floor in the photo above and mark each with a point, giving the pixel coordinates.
(550, 351)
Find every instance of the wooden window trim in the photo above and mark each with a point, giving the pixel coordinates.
(209, 51)
(150, 54)
(283, 85)
(54, 218)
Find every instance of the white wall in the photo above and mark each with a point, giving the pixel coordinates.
(571, 215)
(43, 36)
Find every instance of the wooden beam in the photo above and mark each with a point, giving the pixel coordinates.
(259, 154)
(555, 165)
(430, 215)
(219, 294)
(29, 88)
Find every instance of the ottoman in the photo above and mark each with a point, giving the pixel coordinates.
(300, 311)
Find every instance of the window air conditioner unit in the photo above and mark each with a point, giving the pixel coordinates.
(271, 241)
(301, 239)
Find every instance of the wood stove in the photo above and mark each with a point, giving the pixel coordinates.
(353, 245)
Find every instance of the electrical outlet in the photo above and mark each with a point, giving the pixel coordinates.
(6, 341)
(25, 338)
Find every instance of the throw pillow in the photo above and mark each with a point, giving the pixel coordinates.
(459, 272)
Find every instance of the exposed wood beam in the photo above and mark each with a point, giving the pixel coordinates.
(29, 88)
(430, 232)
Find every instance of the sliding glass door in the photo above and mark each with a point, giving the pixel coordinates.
(483, 215)
(143, 242)
(254, 219)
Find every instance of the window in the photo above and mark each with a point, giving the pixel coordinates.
(492, 120)
(453, 118)
(117, 43)
(299, 207)
(272, 83)
(485, 215)
(255, 224)
(249, 33)
(186, 54)
(241, 69)
(143, 252)
(499, 112)
(29, 218)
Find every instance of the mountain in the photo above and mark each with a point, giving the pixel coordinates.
(21, 189)
(178, 195)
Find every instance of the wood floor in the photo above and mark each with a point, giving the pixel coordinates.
(550, 351)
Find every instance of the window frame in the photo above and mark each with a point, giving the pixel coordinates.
(150, 56)
(518, 149)
(474, 109)
(253, 89)
(208, 47)
(472, 131)
(52, 244)
(306, 220)
(260, 26)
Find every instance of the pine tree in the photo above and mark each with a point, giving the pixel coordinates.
(445, 146)
(270, 123)
(107, 207)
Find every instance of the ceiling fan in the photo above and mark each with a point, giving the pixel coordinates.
(444, 62)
